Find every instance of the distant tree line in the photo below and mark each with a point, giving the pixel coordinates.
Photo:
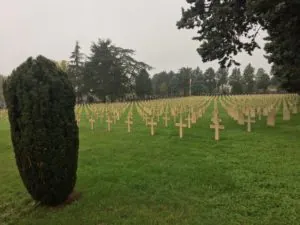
(111, 73)
(189, 81)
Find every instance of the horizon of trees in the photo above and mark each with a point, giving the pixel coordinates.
(212, 81)
(110, 73)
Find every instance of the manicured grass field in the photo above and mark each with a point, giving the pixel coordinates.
(244, 179)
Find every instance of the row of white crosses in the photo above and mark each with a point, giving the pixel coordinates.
(180, 125)
(239, 107)
(216, 121)
(290, 105)
(192, 108)
(238, 113)
(148, 116)
(129, 120)
(257, 105)
(114, 115)
(97, 112)
(192, 117)
(184, 112)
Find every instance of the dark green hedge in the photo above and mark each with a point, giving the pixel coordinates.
(44, 133)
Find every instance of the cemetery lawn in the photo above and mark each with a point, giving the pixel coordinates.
(244, 179)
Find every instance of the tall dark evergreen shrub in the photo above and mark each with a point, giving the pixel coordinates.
(44, 133)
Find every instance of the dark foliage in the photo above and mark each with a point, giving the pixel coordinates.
(40, 102)
(226, 28)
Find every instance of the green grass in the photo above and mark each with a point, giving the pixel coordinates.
(244, 179)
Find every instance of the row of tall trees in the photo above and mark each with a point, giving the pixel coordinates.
(189, 81)
(112, 73)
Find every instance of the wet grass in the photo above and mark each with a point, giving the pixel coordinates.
(244, 179)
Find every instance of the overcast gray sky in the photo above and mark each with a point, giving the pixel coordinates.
(33, 27)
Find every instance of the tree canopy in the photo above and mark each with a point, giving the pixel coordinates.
(143, 87)
(236, 81)
(262, 80)
(108, 73)
(111, 73)
(75, 70)
(225, 28)
(248, 77)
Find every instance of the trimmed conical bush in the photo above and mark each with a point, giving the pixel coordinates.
(44, 133)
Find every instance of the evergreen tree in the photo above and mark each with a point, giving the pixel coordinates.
(174, 85)
(222, 78)
(262, 80)
(143, 86)
(210, 79)
(41, 101)
(184, 76)
(198, 84)
(75, 71)
(235, 81)
(110, 71)
(248, 78)
(163, 77)
(163, 89)
(170, 76)
(178, 84)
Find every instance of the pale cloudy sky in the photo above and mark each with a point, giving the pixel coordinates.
(33, 27)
